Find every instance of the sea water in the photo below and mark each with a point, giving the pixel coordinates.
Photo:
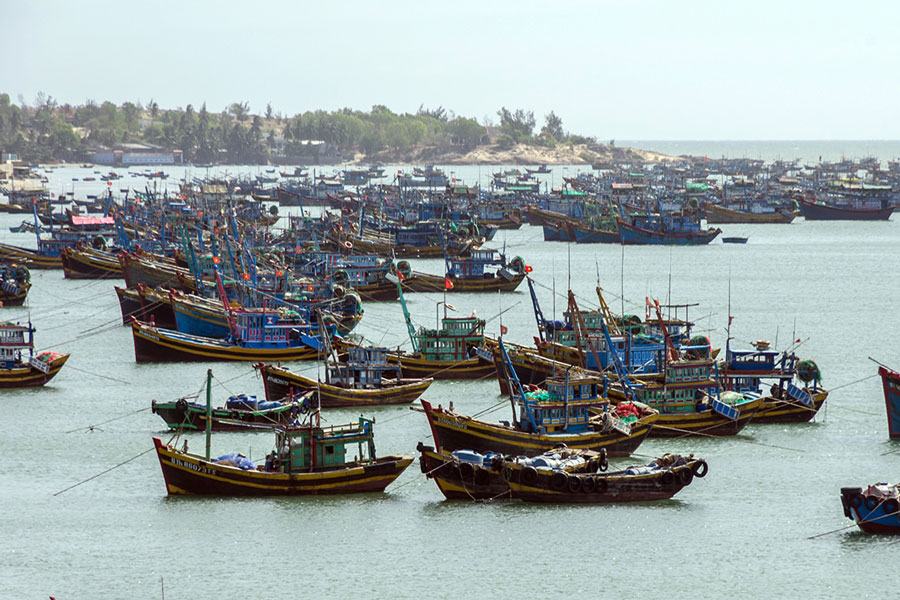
(743, 531)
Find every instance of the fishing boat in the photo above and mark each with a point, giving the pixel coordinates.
(850, 202)
(483, 271)
(747, 212)
(360, 380)
(256, 335)
(594, 233)
(470, 475)
(15, 281)
(35, 259)
(890, 381)
(365, 274)
(531, 368)
(543, 418)
(198, 315)
(146, 304)
(685, 392)
(659, 480)
(445, 352)
(85, 262)
(877, 510)
(240, 412)
(308, 459)
(734, 240)
(18, 371)
(790, 388)
(663, 227)
(664, 230)
(152, 272)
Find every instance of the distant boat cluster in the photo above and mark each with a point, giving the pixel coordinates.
(213, 272)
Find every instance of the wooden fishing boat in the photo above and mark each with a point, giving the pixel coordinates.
(469, 475)
(18, 371)
(890, 381)
(483, 271)
(790, 388)
(154, 273)
(240, 412)
(31, 258)
(592, 234)
(819, 211)
(146, 304)
(254, 338)
(15, 281)
(557, 232)
(751, 212)
(684, 391)
(849, 202)
(658, 480)
(641, 232)
(453, 431)
(877, 510)
(365, 274)
(358, 381)
(197, 315)
(445, 353)
(84, 262)
(542, 419)
(531, 368)
(309, 459)
(688, 400)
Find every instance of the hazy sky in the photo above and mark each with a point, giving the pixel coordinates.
(612, 68)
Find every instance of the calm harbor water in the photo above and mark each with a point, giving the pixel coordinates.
(743, 531)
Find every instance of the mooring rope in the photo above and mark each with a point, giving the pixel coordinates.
(124, 462)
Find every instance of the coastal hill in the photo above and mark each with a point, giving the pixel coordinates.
(518, 154)
(47, 130)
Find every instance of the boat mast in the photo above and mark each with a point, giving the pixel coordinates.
(538, 315)
(580, 328)
(607, 314)
(513, 378)
(409, 325)
(208, 410)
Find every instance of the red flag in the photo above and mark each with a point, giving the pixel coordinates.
(448, 285)
(528, 269)
(730, 319)
(400, 276)
(503, 330)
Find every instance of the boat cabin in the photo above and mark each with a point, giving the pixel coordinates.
(13, 339)
(637, 353)
(563, 406)
(451, 343)
(270, 328)
(424, 234)
(686, 383)
(474, 267)
(364, 368)
(743, 369)
(313, 447)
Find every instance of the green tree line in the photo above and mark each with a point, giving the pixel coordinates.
(47, 130)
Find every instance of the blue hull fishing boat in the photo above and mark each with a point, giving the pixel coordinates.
(664, 228)
(648, 233)
(875, 511)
